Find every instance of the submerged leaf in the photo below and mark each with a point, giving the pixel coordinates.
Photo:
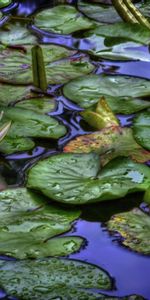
(63, 19)
(77, 178)
(53, 279)
(27, 224)
(134, 228)
(141, 129)
(121, 92)
(109, 143)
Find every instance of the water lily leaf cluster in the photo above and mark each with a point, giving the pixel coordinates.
(28, 226)
(133, 227)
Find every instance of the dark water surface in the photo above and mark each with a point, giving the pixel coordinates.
(131, 271)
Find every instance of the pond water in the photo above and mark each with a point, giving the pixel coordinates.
(130, 271)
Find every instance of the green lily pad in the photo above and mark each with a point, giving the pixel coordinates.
(134, 228)
(39, 105)
(26, 123)
(115, 49)
(141, 129)
(28, 224)
(63, 19)
(16, 66)
(100, 13)
(77, 178)
(109, 143)
(121, 92)
(129, 32)
(17, 34)
(4, 3)
(10, 145)
(52, 279)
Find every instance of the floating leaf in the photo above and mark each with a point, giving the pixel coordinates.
(77, 178)
(109, 143)
(141, 129)
(4, 3)
(26, 123)
(134, 228)
(63, 19)
(100, 13)
(28, 224)
(115, 49)
(52, 279)
(128, 32)
(16, 66)
(39, 105)
(10, 145)
(121, 92)
(17, 34)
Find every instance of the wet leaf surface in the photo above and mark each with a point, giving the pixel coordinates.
(17, 34)
(28, 224)
(19, 62)
(109, 143)
(52, 279)
(133, 227)
(78, 179)
(141, 129)
(27, 123)
(63, 19)
(121, 92)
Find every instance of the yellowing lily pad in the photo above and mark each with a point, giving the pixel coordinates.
(123, 93)
(134, 228)
(53, 279)
(109, 143)
(78, 179)
(28, 224)
(63, 19)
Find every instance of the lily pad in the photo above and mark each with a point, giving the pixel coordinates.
(10, 145)
(4, 3)
(17, 34)
(26, 123)
(28, 224)
(63, 19)
(141, 129)
(109, 143)
(134, 228)
(77, 178)
(16, 66)
(39, 105)
(116, 49)
(52, 279)
(10, 94)
(100, 13)
(121, 92)
(129, 32)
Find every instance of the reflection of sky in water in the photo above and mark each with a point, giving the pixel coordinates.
(131, 270)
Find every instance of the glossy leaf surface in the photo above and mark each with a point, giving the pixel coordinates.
(28, 224)
(121, 92)
(77, 178)
(52, 279)
(63, 19)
